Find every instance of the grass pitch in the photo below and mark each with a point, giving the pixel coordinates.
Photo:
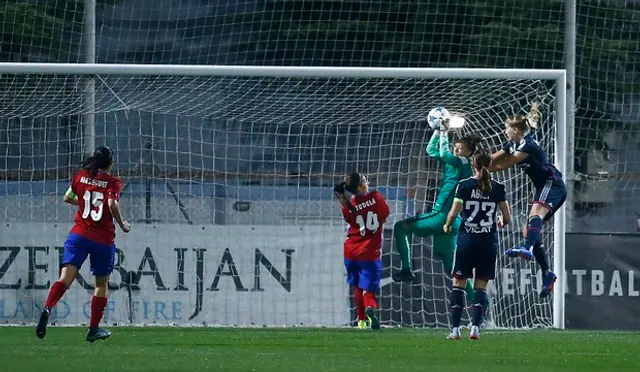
(293, 349)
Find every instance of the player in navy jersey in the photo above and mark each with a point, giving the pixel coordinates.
(550, 190)
(366, 214)
(92, 235)
(478, 198)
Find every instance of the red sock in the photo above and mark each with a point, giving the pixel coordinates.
(359, 300)
(370, 300)
(55, 294)
(98, 305)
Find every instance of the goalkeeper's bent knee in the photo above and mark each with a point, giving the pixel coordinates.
(400, 226)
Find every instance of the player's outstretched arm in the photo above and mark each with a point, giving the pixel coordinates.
(114, 207)
(70, 197)
(433, 148)
(499, 155)
(508, 161)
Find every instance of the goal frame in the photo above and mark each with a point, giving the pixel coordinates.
(558, 75)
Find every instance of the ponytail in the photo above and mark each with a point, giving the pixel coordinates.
(485, 180)
(90, 165)
(533, 116)
(525, 123)
(481, 162)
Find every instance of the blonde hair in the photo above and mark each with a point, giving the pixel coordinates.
(525, 123)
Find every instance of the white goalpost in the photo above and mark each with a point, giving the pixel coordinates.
(228, 173)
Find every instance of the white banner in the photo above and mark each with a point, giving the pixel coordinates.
(224, 275)
(298, 212)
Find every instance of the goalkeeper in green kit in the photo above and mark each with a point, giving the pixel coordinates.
(456, 167)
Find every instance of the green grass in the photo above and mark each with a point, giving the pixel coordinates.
(284, 350)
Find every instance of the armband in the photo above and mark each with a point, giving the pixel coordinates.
(70, 194)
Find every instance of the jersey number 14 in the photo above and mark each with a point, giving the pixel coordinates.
(372, 224)
(93, 205)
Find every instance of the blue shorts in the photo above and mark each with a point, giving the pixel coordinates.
(552, 195)
(101, 257)
(365, 275)
(476, 251)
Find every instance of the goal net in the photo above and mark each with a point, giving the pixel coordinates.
(228, 187)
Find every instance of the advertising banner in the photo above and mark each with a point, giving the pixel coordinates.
(185, 274)
(603, 281)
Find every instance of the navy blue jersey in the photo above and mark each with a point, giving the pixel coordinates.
(479, 210)
(536, 165)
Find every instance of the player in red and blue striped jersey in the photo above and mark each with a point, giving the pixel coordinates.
(366, 214)
(479, 198)
(551, 192)
(92, 235)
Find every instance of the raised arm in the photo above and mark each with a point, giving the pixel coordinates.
(433, 149)
(348, 210)
(445, 152)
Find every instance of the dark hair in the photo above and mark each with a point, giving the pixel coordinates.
(353, 180)
(525, 123)
(102, 159)
(471, 142)
(481, 162)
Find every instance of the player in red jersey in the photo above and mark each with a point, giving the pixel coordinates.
(365, 213)
(92, 235)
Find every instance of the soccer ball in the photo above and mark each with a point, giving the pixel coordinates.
(437, 116)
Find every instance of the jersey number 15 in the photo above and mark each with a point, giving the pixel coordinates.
(372, 224)
(93, 205)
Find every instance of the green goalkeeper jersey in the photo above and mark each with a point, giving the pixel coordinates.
(455, 168)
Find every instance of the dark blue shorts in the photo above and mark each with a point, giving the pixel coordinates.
(552, 195)
(476, 251)
(365, 275)
(101, 257)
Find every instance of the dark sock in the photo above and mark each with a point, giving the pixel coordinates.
(457, 305)
(533, 231)
(469, 290)
(541, 257)
(478, 306)
(98, 305)
(55, 294)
